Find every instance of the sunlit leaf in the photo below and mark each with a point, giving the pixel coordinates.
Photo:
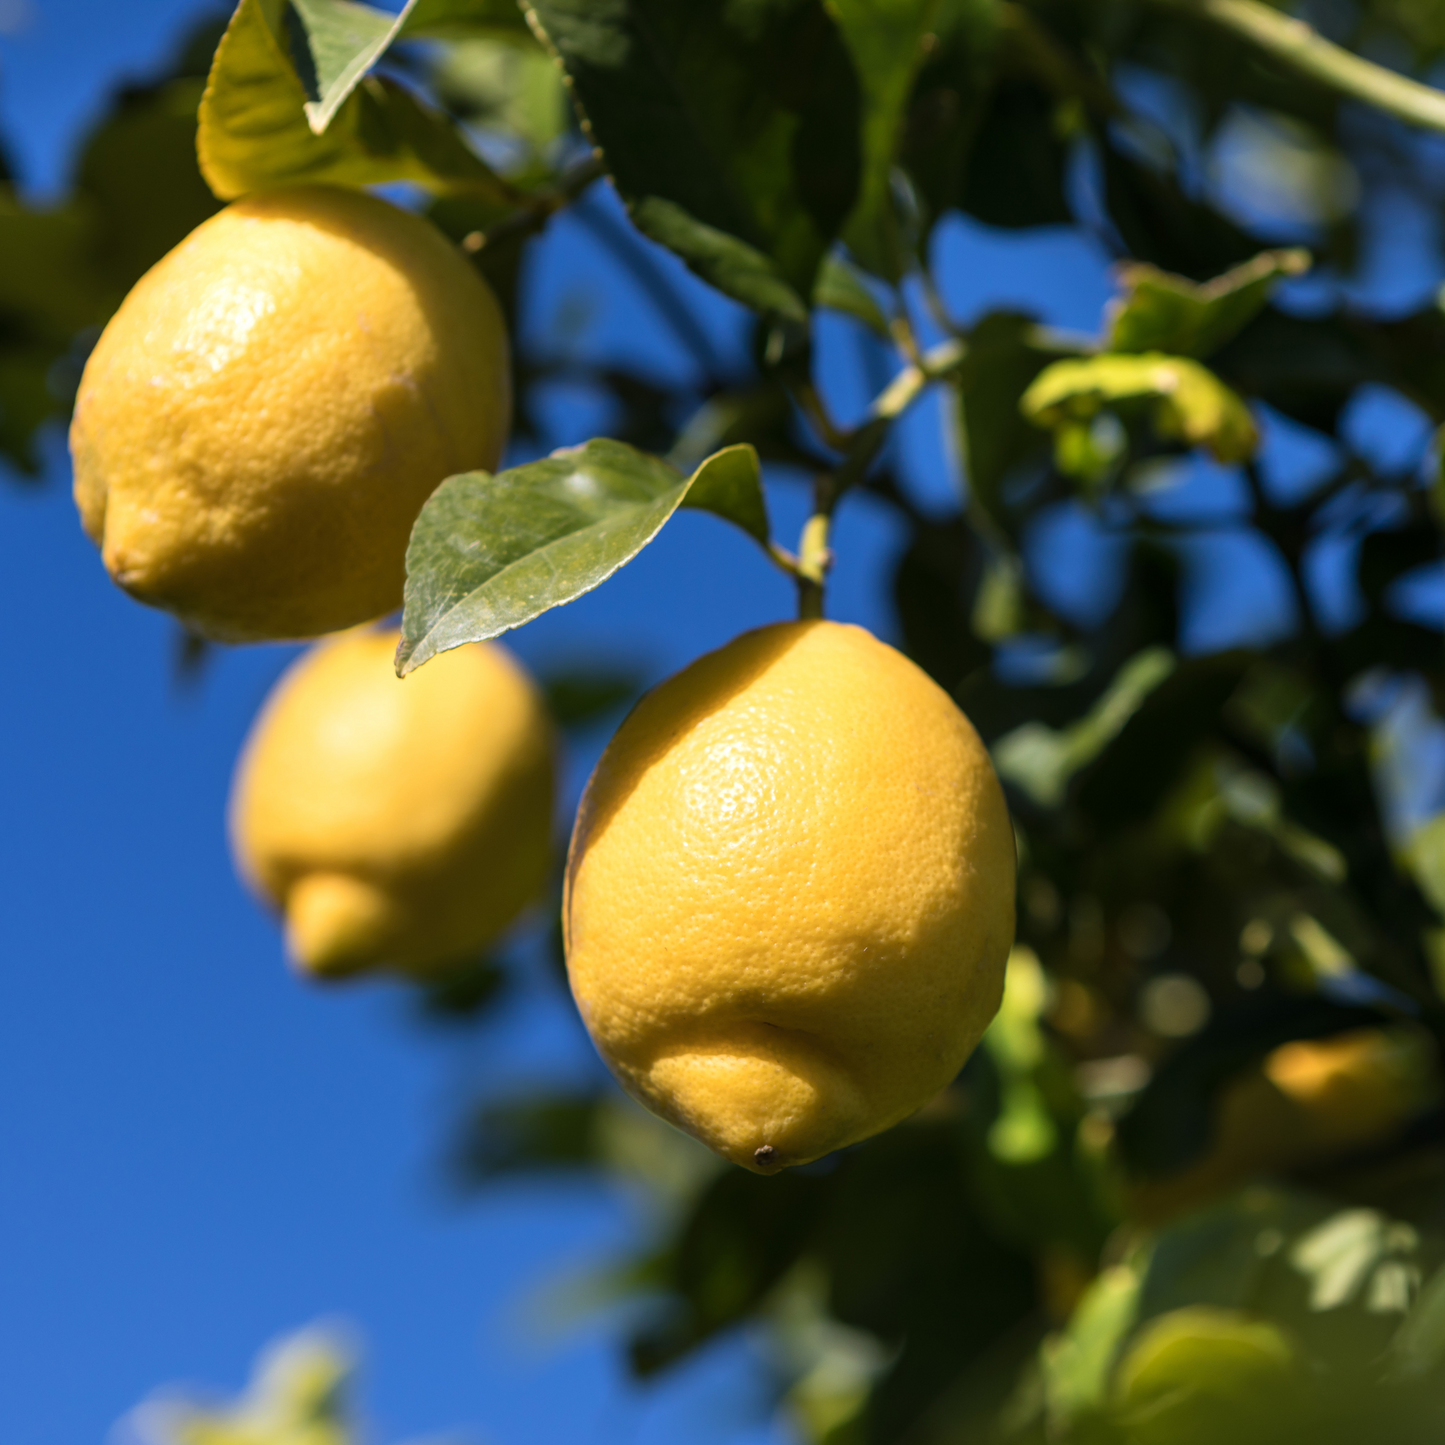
(346, 39)
(254, 132)
(1188, 402)
(1160, 312)
(489, 553)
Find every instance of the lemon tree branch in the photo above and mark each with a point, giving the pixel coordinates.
(1304, 49)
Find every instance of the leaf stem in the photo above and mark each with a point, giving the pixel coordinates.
(1304, 49)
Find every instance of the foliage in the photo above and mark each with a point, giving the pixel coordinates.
(1239, 836)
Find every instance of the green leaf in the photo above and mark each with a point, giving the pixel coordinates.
(1160, 312)
(489, 553)
(254, 132)
(346, 40)
(1190, 404)
(1005, 353)
(468, 19)
(1425, 857)
(1079, 1363)
(1041, 760)
(885, 39)
(720, 123)
(740, 270)
(841, 288)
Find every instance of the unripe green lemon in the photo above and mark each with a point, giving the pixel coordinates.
(790, 894)
(1207, 1376)
(263, 418)
(398, 823)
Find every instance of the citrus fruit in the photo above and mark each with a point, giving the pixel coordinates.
(396, 823)
(261, 421)
(1201, 1375)
(1308, 1101)
(790, 894)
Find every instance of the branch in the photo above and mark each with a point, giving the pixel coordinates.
(1299, 46)
(540, 208)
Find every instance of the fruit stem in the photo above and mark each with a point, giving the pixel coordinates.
(814, 559)
(540, 208)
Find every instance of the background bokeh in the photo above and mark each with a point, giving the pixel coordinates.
(197, 1150)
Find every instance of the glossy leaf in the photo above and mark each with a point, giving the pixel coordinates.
(489, 553)
(254, 132)
(1160, 312)
(346, 39)
(1189, 403)
(731, 131)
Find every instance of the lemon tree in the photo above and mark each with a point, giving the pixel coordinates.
(1059, 991)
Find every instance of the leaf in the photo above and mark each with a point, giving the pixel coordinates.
(254, 133)
(468, 19)
(1191, 404)
(1006, 352)
(346, 40)
(731, 130)
(489, 553)
(1041, 760)
(950, 95)
(841, 288)
(1079, 1363)
(1425, 856)
(1160, 312)
(885, 39)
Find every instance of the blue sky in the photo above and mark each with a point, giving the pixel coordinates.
(201, 1152)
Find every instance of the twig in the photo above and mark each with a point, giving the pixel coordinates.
(540, 208)
(1304, 49)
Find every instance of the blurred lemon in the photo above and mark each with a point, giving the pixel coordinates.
(1202, 1376)
(790, 894)
(261, 421)
(398, 823)
(1308, 1101)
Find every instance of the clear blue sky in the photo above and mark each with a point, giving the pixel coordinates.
(200, 1152)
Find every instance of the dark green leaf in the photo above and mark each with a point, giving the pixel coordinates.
(254, 133)
(1160, 312)
(1018, 160)
(1005, 353)
(885, 39)
(950, 96)
(721, 123)
(489, 553)
(841, 288)
(1158, 223)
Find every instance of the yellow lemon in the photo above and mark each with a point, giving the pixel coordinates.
(790, 894)
(1307, 1102)
(261, 421)
(399, 823)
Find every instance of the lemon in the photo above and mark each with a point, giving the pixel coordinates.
(401, 823)
(1308, 1101)
(261, 421)
(1201, 1375)
(790, 894)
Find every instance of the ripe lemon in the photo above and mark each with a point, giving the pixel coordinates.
(401, 823)
(1309, 1101)
(262, 419)
(790, 894)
